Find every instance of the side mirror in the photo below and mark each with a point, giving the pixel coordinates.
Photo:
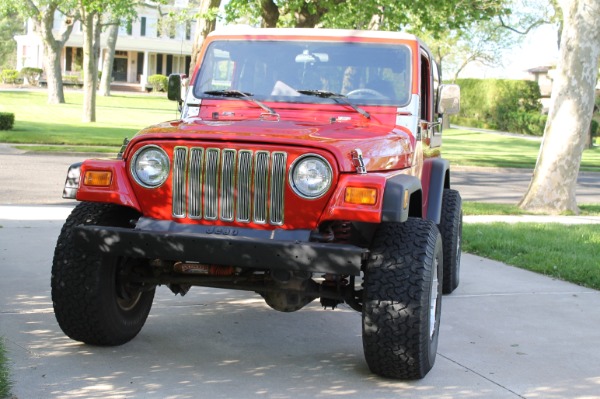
(174, 88)
(449, 99)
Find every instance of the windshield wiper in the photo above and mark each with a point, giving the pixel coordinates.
(245, 96)
(339, 98)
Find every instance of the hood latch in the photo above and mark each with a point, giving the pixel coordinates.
(358, 162)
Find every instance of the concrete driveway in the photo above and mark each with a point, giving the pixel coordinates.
(505, 333)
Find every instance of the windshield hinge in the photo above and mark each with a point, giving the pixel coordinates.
(359, 163)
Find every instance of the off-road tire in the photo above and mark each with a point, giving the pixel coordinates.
(451, 229)
(402, 275)
(91, 302)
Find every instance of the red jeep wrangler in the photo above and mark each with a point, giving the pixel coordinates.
(306, 164)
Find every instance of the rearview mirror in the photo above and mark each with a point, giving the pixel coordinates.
(449, 99)
(174, 88)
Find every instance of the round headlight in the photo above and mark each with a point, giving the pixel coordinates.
(311, 176)
(150, 166)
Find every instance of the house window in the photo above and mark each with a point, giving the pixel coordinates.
(158, 27)
(143, 26)
(129, 28)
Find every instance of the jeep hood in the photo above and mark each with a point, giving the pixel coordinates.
(384, 146)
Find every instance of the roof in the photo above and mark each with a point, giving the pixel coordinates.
(246, 30)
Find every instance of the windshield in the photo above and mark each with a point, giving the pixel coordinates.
(366, 73)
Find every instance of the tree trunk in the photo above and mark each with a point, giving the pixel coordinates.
(270, 13)
(53, 74)
(107, 65)
(203, 27)
(552, 188)
(44, 22)
(91, 27)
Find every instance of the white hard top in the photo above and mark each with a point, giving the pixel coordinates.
(237, 30)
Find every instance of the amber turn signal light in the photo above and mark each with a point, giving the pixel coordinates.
(361, 196)
(98, 178)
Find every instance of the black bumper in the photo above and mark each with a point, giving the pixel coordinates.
(258, 253)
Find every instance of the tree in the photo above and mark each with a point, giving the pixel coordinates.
(552, 187)
(206, 21)
(363, 14)
(10, 25)
(92, 12)
(107, 64)
(42, 14)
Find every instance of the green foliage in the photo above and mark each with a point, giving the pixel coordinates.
(9, 76)
(7, 120)
(393, 15)
(158, 82)
(32, 75)
(5, 383)
(594, 127)
(501, 104)
(11, 24)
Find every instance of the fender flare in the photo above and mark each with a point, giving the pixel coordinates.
(392, 209)
(437, 183)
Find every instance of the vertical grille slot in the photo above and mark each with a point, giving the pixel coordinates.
(244, 186)
(261, 186)
(229, 185)
(179, 171)
(277, 187)
(211, 184)
(195, 183)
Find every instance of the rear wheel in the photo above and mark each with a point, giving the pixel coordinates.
(95, 300)
(451, 229)
(402, 299)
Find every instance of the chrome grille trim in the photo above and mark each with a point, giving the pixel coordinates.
(261, 186)
(179, 172)
(244, 186)
(229, 185)
(211, 184)
(278, 169)
(195, 174)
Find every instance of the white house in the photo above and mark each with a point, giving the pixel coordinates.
(145, 47)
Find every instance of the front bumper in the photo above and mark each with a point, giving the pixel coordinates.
(239, 251)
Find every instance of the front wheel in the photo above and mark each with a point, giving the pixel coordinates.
(402, 299)
(95, 300)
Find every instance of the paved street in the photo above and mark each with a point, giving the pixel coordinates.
(506, 333)
(39, 179)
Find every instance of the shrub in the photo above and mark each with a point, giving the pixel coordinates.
(158, 82)
(32, 75)
(594, 128)
(502, 104)
(9, 76)
(7, 120)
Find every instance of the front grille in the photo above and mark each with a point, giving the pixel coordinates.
(229, 185)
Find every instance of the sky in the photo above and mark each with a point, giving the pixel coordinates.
(539, 48)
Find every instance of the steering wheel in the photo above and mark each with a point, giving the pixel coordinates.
(360, 93)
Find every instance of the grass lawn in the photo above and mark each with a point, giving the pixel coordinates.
(568, 253)
(4, 372)
(118, 116)
(468, 148)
